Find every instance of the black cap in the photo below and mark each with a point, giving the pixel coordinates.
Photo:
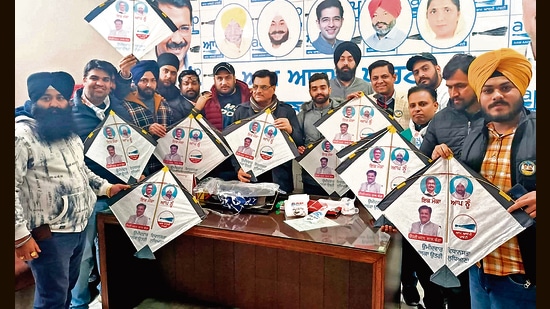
(224, 66)
(420, 56)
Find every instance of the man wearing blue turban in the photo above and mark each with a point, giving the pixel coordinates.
(148, 109)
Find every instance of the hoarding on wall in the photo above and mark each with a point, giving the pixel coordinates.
(483, 25)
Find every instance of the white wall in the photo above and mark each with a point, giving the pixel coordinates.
(53, 36)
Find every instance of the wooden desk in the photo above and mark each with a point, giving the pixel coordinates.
(250, 261)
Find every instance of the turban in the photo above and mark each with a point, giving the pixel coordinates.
(168, 59)
(391, 6)
(37, 84)
(144, 66)
(400, 151)
(460, 181)
(507, 61)
(351, 47)
(237, 14)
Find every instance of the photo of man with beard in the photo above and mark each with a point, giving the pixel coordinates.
(383, 18)
(279, 28)
(344, 84)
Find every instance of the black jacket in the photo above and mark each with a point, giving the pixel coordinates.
(524, 146)
(449, 126)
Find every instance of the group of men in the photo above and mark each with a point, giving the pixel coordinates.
(466, 110)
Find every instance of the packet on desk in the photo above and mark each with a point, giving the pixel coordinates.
(296, 205)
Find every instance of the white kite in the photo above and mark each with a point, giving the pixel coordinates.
(355, 119)
(131, 26)
(120, 147)
(320, 161)
(258, 145)
(156, 211)
(463, 217)
(379, 166)
(191, 146)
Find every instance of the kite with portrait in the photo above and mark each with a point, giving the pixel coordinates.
(120, 147)
(192, 146)
(468, 214)
(320, 161)
(379, 165)
(155, 211)
(131, 26)
(354, 120)
(258, 145)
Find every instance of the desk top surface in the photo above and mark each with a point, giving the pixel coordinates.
(354, 231)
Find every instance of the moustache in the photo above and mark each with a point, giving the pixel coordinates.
(498, 103)
(381, 23)
(172, 45)
(277, 32)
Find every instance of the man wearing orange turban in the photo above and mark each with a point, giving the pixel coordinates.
(383, 14)
(503, 150)
(505, 62)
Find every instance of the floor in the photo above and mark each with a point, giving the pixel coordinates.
(24, 299)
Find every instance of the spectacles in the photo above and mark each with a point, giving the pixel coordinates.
(262, 87)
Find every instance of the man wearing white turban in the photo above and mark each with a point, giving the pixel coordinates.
(399, 159)
(460, 185)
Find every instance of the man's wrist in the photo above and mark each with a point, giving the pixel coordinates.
(123, 75)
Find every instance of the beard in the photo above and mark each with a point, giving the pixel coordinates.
(146, 93)
(384, 31)
(54, 124)
(517, 107)
(278, 42)
(190, 95)
(320, 99)
(168, 92)
(345, 75)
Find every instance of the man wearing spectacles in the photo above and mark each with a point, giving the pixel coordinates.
(330, 16)
(180, 12)
(263, 96)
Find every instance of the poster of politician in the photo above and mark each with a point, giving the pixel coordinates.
(452, 216)
(156, 211)
(120, 147)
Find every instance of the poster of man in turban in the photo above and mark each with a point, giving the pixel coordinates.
(234, 37)
(387, 23)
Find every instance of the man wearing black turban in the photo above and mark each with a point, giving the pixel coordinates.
(54, 120)
(345, 85)
(54, 189)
